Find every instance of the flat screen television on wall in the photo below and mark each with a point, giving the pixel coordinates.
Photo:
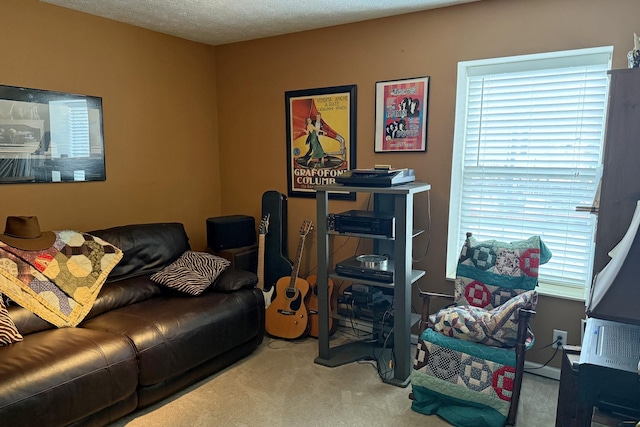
(48, 136)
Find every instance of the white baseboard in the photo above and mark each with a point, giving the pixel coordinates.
(547, 371)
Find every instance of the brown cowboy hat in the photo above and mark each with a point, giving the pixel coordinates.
(23, 232)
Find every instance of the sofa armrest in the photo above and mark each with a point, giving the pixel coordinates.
(233, 279)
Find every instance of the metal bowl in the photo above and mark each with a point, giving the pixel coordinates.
(373, 261)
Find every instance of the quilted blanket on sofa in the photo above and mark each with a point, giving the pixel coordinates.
(466, 384)
(59, 283)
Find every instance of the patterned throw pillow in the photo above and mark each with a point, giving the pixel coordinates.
(8, 331)
(491, 272)
(192, 273)
(497, 327)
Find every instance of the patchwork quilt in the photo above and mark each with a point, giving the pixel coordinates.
(466, 384)
(61, 283)
(491, 272)
(497, 327)
(464, 367)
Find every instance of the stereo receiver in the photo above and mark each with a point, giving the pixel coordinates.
(363, 222)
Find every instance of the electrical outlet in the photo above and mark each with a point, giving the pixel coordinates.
(559, 338)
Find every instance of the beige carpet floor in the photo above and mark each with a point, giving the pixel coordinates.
(280, 385)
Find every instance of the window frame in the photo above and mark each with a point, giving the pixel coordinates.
(467, 69)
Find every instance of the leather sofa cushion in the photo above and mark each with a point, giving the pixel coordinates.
(58, 376)
(232, 280)
(141, 288)
(112, 295)
(175, 333)
(124, 292)
(26, 322)
(147, 247)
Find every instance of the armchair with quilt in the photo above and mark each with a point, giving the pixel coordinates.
(470, 355)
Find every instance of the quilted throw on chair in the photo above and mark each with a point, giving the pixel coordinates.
(491, 272)
(465, 383)
(456, 374)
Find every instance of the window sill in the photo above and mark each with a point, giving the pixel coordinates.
(563, 292)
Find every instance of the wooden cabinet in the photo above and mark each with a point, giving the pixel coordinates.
(620, 185)
(570, 413)
(398, 201)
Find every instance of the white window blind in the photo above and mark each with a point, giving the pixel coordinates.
(527, 151)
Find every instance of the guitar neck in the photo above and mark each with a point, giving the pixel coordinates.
(261, 239)
(296, 264)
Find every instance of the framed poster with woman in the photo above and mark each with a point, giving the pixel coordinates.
(321, 138)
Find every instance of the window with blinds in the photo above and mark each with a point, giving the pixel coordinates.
(69, 126)
(527, 151)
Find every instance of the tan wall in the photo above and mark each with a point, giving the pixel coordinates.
(253, 76)
(159, 100)
(161, 115)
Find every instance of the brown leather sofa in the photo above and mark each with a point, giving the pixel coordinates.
(140, 343)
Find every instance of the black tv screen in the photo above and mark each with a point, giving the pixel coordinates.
(48, 136)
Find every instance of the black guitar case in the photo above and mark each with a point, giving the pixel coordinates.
(276, 262)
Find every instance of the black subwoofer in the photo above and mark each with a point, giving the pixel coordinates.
(231, 231)
(244, 258)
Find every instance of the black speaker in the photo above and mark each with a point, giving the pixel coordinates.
(244, 258)
(232, 231)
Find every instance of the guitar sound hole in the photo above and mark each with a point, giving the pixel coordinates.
(294, 296)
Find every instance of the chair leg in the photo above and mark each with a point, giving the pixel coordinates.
(424, 315)
(517, 385)
(523, 324)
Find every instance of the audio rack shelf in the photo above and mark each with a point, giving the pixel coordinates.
(415, 276)
(369, 236)
(396, 200)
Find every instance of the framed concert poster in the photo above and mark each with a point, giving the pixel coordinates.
(321, 138)
(401, 115)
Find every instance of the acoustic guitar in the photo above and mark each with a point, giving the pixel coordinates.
(262, 232)
(287, 315)
(312, 307)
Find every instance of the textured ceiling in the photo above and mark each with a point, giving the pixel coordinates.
(218, 22)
